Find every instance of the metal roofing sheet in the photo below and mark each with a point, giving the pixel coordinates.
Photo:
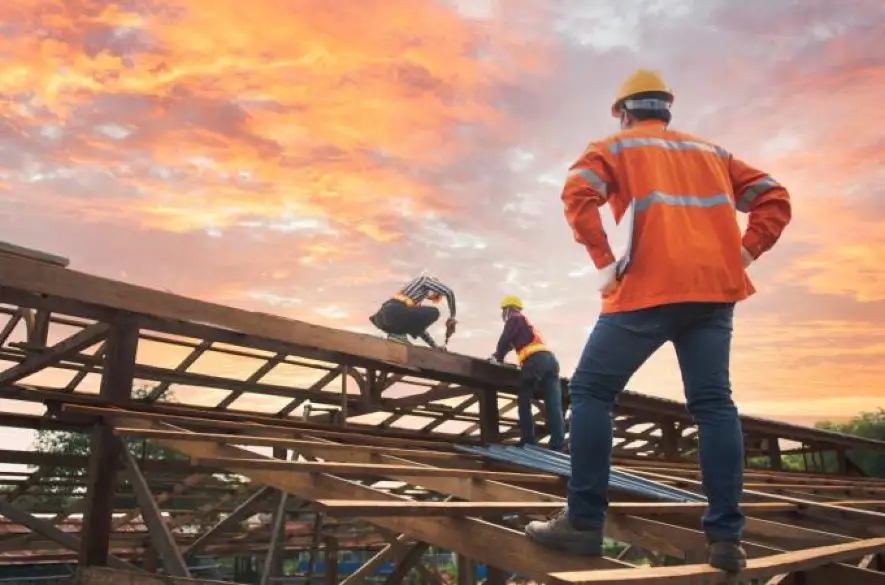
(547, 461)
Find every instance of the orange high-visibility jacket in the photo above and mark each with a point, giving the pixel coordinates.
(686, 243)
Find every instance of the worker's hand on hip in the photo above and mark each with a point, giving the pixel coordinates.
(746, 257)
(607, 278)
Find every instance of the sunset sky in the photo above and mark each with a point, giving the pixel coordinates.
(307, 158)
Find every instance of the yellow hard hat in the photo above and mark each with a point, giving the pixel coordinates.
(511, 301)
(641, 81)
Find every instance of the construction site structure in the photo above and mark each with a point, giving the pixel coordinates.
(402, 450)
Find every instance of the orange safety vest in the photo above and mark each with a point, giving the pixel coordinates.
(533, 347)
(685, 243)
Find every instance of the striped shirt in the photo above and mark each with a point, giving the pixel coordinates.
(424, 286)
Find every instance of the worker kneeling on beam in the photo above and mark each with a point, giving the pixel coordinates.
(404, 314)
(683, 271)
(539, 370)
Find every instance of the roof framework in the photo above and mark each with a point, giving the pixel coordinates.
(341, 441)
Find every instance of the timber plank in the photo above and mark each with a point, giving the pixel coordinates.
(12, 250)
(295, 444)
(369, 508)
(194, 416)
(33, 277)
(484, 541)
(758, 568)
(102, 576)
(32, 284)
(366, 469)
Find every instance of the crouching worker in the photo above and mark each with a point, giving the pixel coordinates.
(539, 370)
(403, 315)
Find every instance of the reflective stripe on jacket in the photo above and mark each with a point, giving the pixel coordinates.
(685, 244)
(404, 299)
(531, 349)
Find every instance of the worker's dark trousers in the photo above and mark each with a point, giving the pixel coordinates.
(618, 345)
(398, 318)
(540, 372)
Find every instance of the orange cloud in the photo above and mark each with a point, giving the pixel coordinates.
(263, 109)
(305, 159)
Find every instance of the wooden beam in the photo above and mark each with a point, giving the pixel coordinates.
(460, 487)
(100, 576)
(489, 417)
(496, 576)
(160, 536)
(315, 387)
(367, 469)
(466, 570)
(297, 444)
(331, 558)
(253, 379)
(31, 277)
(397, 548)
(15, 251)
(47, 530)
(74, 344)
(273, 565)
(370, 508)
(314, 544)
(196, 353)
(116, 386)
(35, 459)
(759, 568)
(243, 511)
(38, 323)
(14, 319)
(407, 563)
(482, 540)
(690, 545)
(805, 503)
(422, 398)
(29, 284)
(194, 417)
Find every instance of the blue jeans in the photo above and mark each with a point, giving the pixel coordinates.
(541, 371)
(618, 345)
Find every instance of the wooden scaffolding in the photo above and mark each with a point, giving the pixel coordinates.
(344, 441)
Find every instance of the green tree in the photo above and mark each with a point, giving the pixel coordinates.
(63, 483)
(870, 425)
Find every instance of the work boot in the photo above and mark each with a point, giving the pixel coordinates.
(727, 555)
(399, 338)
(559, 534)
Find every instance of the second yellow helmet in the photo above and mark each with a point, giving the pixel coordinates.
(511, 301)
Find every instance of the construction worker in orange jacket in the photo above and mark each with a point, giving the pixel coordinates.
(539, 370)
(683, 271)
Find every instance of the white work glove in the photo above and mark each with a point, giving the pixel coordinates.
(607, 279)
(746, 257)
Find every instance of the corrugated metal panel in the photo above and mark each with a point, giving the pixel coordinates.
(547, 461)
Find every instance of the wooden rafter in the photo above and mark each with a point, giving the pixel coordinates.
(399, 451)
